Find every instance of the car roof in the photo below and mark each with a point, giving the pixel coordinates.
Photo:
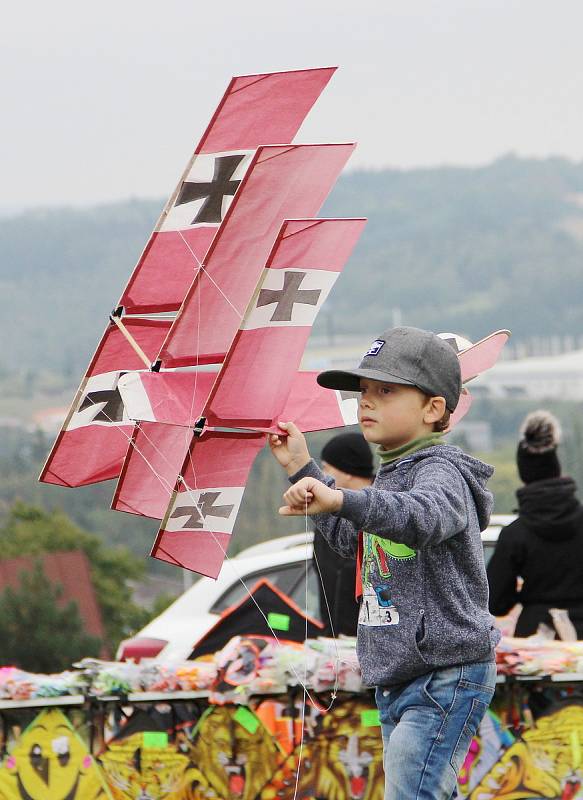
(287, 543)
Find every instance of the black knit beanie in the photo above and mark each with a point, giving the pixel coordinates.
(536, 457)
(350, 453)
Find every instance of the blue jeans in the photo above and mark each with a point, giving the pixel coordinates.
(427, 727)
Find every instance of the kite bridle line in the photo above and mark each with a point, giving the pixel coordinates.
(170, 488)
(198, 268)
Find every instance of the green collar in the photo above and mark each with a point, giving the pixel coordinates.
(388, 456)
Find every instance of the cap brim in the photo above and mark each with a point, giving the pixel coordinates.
(349, 381)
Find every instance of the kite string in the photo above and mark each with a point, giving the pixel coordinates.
(166, 485)
(169, 488)
(290, 667)
(303, 714)
(201, 268)
(190, 449)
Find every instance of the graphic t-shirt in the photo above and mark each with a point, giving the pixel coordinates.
(377, 607)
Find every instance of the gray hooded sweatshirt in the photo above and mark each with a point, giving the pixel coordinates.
(424, 588)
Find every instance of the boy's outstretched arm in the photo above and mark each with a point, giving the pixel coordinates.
(291, 451)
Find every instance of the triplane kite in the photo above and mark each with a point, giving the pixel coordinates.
(201, 355)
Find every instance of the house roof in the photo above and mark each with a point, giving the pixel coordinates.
(69, 569)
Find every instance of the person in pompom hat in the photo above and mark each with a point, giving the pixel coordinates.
(348, 459)
(544, 545)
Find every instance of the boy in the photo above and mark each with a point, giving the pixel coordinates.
(425, 637)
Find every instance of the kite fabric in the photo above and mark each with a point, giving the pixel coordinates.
(253, 385)
(148, 475)
(51, 762)
(167, 397)
(95, 435)
(306, 260)
(255, 110)
(245, 619)
(482, 355)
(198, 523)
(282, 183)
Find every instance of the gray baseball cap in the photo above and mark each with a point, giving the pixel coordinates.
(409, 356)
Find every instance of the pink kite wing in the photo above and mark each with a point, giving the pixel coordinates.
(175, 398)
(255, 380)
(94, 438)
(172, 398)
(483, 355)
(461, 410)
(281, 182)
(199, 521)
(313, 408)
(152, 462)
(309, 405)
(255, 110)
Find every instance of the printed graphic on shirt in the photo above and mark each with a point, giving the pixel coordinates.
(377, 607)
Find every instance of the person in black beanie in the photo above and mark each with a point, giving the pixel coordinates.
(544, 545)
(348, 459)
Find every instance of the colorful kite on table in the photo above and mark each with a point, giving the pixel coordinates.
(545, 763)
(142, 762)
(202, 352)
(50, 762)
(341, 756)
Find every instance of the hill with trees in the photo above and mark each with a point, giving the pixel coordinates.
(468, 250)
(453, 248)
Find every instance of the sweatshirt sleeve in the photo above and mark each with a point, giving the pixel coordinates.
(341, 534)
(502, 573)
(432, 510)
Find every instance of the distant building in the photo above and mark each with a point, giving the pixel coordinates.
(550, 377)
(555, 377)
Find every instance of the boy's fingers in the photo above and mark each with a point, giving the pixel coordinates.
(288, 511)
(297, 497)
(289, 429)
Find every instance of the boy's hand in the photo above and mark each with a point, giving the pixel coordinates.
(291, 451)
(310, 496)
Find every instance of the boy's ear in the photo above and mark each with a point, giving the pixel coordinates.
(434, 409)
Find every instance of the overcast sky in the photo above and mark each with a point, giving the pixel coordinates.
(106, 100)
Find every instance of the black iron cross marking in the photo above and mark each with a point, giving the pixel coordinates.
(287, 297)
(221, 185)
(197, 514)
(113, 408)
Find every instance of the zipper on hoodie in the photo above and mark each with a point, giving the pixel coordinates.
(421, 626)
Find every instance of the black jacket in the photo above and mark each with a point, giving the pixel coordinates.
(338, 575)
(544, 546)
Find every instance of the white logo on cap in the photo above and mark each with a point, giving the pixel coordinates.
(375, 348)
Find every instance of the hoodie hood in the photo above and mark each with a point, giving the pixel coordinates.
(550, 509)
(476, 474)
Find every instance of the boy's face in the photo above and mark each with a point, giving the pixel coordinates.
(391, 414)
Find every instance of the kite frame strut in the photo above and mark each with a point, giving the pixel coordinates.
(115, 317)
